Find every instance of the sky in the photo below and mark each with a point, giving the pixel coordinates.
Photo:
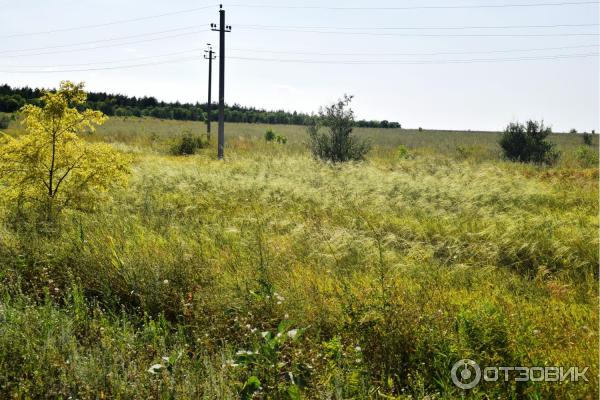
(489, 65)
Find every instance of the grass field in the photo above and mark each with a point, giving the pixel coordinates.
(272, 275)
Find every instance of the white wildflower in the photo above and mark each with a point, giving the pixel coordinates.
(155, 369)
(293, 333)
(232, 363)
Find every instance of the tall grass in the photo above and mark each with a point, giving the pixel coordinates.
(378, 276)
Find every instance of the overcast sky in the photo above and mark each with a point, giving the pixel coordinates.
(396, 74)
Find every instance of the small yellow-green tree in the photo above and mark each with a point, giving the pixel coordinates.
(51, 167)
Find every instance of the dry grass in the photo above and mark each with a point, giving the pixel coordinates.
(391, 270)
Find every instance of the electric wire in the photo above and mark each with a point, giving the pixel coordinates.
(446, 7)
(124, 21)
(331, 62)
(439, 53)
(420, 62)
(107, 45)
(102, 40)
(365, 33)
(423, 27)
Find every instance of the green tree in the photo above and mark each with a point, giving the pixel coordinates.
(336, 144)
(51, 167)
(270, 135)
(527, 143)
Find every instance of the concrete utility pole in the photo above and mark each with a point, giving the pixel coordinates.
(222, 29)
(210, 57)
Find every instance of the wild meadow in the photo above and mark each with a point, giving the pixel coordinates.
(272, 275)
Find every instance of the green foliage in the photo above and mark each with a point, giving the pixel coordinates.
(527, 143)
(4, 121)
(11, 99)
(51, 168)
(188, 144)
(573, 131)
(586, 157)
(402, 152)
(271, 364)
(337, 144)
(270, 135)
(587, 139)
(281, 139)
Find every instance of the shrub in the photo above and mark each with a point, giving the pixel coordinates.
(402, 152)
(4, 122)
(527, 143)
(420, 129)
(573, 131)
(270, 135)
(338, 144)
(586, 157)
(188, 144)
(587, 139)
(281, 139)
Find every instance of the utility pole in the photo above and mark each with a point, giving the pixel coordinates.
(210, 57)
(222, 29)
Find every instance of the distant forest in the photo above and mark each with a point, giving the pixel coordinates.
(12, 99)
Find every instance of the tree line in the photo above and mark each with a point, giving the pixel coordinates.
(12, 99)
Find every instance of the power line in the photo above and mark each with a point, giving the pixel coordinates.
(190, 10)
(294, 29)
(107, 45)
(449, 7)
(102, 40)
(304, 53)
(310, 61)
(124, 21)
(441, 53)
(424, 27)
(108, 68)
(420, 62)
(105, 62)
(424, 34)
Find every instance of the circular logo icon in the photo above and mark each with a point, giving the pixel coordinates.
(466, 374)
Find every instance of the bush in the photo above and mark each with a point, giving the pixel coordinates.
(281, 139)
(586, 157)
(270, 135)
(188, 144)
(420, 129)
(338, 144)
(403, 152)
(4, 121)
(527, 143)
(587, 139)
(573, 131)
